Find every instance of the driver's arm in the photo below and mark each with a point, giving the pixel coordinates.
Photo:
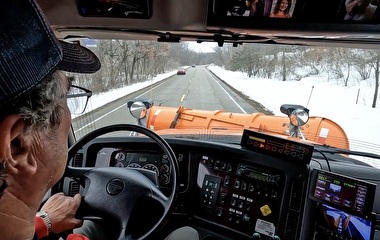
(61, 211)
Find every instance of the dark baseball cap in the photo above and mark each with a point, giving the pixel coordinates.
(30, 52)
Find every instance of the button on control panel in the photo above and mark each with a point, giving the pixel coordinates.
(209, 194)
(240, 196)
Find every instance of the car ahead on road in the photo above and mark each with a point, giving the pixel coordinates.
(260, 142)
(181, 71)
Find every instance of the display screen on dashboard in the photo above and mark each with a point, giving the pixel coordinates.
(343, 192)
(343, 225)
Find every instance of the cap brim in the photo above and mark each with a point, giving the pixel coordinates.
(78, 59)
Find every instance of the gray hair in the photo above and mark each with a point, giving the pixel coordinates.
(40, 108)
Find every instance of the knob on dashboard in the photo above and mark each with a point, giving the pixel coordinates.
(256, 235)
(241, 171)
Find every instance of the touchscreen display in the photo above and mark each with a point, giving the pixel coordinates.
(335, 222)
(344, 192)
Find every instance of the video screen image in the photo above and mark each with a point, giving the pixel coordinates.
(322, 10)
(261, 8)
(347, 225)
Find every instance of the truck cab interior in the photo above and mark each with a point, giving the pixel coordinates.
(227, 184)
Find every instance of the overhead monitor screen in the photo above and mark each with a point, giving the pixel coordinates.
(119, 9)
(303, 10)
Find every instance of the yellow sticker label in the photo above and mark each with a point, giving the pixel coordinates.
(265, 210)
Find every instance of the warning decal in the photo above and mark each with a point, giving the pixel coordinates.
(265, 210)
(264, 227)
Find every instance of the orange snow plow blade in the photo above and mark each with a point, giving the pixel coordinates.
(318, 129)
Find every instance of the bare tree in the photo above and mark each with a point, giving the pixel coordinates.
(377, 70)
(374, 62)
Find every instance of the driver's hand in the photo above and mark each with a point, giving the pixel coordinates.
(61, 210)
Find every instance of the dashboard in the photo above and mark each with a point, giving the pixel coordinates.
(157, 163)
(240, 193)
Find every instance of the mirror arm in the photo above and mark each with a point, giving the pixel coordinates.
(295, 131)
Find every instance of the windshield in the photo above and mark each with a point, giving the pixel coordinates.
(243, 80)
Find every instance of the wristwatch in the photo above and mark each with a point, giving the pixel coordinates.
(45, 217)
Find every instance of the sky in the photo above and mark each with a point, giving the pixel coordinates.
(205, 47)
(350, 106)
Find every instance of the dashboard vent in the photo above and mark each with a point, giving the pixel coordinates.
(291, 226)
(78, 160)
(74, 188)
(296, 194)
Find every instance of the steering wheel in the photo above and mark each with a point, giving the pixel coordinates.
(112, 193)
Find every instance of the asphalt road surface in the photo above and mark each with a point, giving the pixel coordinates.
(197, 89)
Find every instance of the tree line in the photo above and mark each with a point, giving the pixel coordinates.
(125, 62)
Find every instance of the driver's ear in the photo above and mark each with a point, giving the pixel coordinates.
(15, 145)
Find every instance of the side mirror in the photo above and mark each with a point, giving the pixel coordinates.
(298, 115)
(139, 107)
(138, 110)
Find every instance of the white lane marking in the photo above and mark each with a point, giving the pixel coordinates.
(103, 116)
(226, 92)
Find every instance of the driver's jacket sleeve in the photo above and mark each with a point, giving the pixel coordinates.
(76, 237)
(41, 231)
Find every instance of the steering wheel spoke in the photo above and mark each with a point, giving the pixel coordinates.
(76, 173)
(160, 197)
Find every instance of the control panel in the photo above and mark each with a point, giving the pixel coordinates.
(345, 206)
(291, 150)
(240, 196)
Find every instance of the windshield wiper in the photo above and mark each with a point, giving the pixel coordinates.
(338, 155)
(334, 150)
